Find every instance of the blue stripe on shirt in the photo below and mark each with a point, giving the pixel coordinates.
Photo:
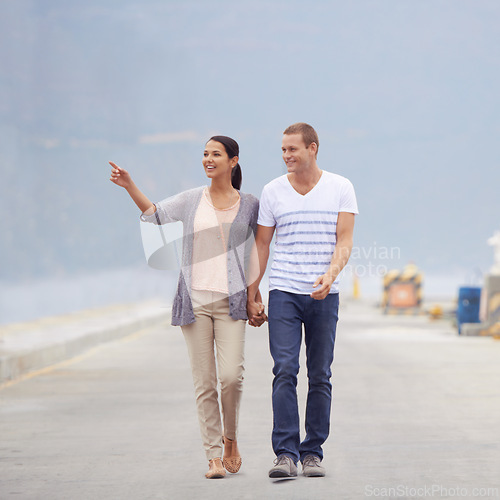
(281, 270)
(296, 222)
(326, 212)
(282, 252)
(303, 263)
(279, 243)
(306, 232)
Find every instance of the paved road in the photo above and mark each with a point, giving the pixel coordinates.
(416, 409)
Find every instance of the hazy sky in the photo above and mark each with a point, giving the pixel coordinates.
(404, 96)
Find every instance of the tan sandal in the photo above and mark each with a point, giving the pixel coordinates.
(232, 458)
(215, 469)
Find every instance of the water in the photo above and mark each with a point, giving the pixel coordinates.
(64, 295)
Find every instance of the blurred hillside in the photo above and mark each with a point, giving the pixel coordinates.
(403, 94)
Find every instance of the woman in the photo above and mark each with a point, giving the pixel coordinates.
(210, 304)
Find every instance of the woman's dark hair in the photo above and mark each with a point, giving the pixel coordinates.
(232, 150)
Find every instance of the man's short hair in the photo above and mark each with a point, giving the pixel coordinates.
(309, 135)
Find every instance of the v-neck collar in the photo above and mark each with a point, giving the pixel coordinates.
(310, 191)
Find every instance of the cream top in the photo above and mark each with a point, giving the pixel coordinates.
(211, 233)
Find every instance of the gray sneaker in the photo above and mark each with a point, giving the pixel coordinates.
(284, 467)
(311, 466)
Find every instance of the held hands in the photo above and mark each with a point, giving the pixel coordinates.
(256, 314)
(326, 282)
(120, 176)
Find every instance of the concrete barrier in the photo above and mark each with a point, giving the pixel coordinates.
(30, 346)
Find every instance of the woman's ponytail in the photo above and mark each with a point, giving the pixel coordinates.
(232, 150)
(236, 177)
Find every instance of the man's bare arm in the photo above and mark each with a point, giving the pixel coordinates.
(343, 248)
(259, 262)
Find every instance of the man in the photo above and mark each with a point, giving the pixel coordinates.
(312, 212)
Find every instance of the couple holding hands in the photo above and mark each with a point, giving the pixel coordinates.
(226, 244)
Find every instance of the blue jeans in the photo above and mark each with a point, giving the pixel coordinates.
(287, 313)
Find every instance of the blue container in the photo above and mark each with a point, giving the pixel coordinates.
(468, 305)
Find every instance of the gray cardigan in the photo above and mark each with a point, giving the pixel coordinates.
(182, 207)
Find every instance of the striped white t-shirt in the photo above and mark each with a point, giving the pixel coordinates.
(306, 229)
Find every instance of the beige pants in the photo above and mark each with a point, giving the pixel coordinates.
(214, 326)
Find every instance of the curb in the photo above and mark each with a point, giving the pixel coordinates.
(36, 345)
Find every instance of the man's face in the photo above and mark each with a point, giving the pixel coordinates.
(295, 154)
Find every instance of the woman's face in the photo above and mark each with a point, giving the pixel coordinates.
(216, 162)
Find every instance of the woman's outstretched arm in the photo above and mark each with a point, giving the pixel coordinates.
(123, 179)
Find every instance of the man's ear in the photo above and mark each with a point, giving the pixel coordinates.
(314, 148)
